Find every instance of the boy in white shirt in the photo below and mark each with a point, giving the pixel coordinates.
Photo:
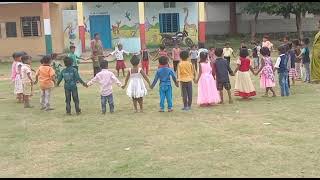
(118, 53)
(227, 52)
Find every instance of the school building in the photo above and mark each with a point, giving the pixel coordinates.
(34, 27)
(135, 24)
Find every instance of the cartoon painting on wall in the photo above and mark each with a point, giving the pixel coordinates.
(187, 18)
(124, 24)
(70, 30)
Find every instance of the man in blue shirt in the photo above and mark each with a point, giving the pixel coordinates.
(163, 74)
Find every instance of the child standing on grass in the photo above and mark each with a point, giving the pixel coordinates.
(243, 86)
(207, 89)
(118, 53)
(46, 76)
(16, 76)
(74, 57)
(163, 74)
(212, 55)
(95, 63)
(222, 75)
(296, 47)
(105, 78)
(255, 55)
(267, 80)
(136, 89)
(162, 52)
(292, 69)
(186, 75)
(176, 57)
(281, 66)
(305, 55)
(27, 82)
(145, 59)
(227, 52)
(194, 57)
(56, 66)
(71, 77)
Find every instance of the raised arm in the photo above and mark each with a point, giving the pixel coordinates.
(116, 80)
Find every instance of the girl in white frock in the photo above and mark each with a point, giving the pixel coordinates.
(136, 87)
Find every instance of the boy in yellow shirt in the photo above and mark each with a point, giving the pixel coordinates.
(185, 77)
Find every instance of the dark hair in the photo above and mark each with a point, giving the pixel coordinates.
(54, 55)
(218, 52)
(67, 61)
(203, 57)
(266, 36)
(193, 45)
(306, 41)
(120, 45)
(227, 44)
(46, 59)
(163, 60)
(211, 47)
(184, 55)
(282, 49)
(162, 47)
(72, 47)
(286, 37)
(265, 51)
(296, 42)
(289, 45)
(25, 58)
(201, 45)
(134, 60)
(95, 34)
(104, 65)
(244, 52)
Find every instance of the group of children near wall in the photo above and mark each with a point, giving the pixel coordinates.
(210, 69)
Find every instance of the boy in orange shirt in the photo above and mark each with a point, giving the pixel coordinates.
(46, 76)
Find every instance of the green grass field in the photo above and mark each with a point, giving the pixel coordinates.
(264, 137)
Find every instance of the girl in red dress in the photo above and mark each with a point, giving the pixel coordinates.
(244, 87)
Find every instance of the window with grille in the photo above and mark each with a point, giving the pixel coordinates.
(11, 29)
(169, 22)
(169, 4)
(30, 26)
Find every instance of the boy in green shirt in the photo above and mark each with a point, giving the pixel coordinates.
(71, 76)
(74, 57)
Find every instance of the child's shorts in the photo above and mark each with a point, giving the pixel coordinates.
(120, 65)
(225, 85)
(27, 89)
(194, 60)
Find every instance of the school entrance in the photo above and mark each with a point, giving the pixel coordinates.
(101, 24)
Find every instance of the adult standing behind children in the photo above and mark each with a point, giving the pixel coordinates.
(97, 46)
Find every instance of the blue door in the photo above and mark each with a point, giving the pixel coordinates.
(101, 24)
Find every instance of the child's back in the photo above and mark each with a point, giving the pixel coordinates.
(222, 70)
(105, 78)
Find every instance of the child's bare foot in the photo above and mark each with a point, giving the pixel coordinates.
(230, 101)
(68, 114)
(221, 102)
(141, 110)
(274, 95)
(161, 110)
(170, 110)
(265, 95)
(136, 111)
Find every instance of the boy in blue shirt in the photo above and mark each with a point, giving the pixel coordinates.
(282, 67)
(163, 74)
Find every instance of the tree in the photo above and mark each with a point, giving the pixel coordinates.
(254, 8)
(233, 18)
(299, 9)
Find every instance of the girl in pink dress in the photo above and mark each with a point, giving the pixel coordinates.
(207, 86)
(176, 57)
(267, 80)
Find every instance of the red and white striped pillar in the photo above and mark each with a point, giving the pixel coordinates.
(202, 22)
(141, 25)
(82, 35)
(47, 26)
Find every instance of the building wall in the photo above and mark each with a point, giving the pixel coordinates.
(218, 20)
(32, 45)
(152, 11)
(123, 13)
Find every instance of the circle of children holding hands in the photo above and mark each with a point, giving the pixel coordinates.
(209, 69)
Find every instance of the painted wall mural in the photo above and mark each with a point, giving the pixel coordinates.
(188, 18)
(71, 30)
(124, 22)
